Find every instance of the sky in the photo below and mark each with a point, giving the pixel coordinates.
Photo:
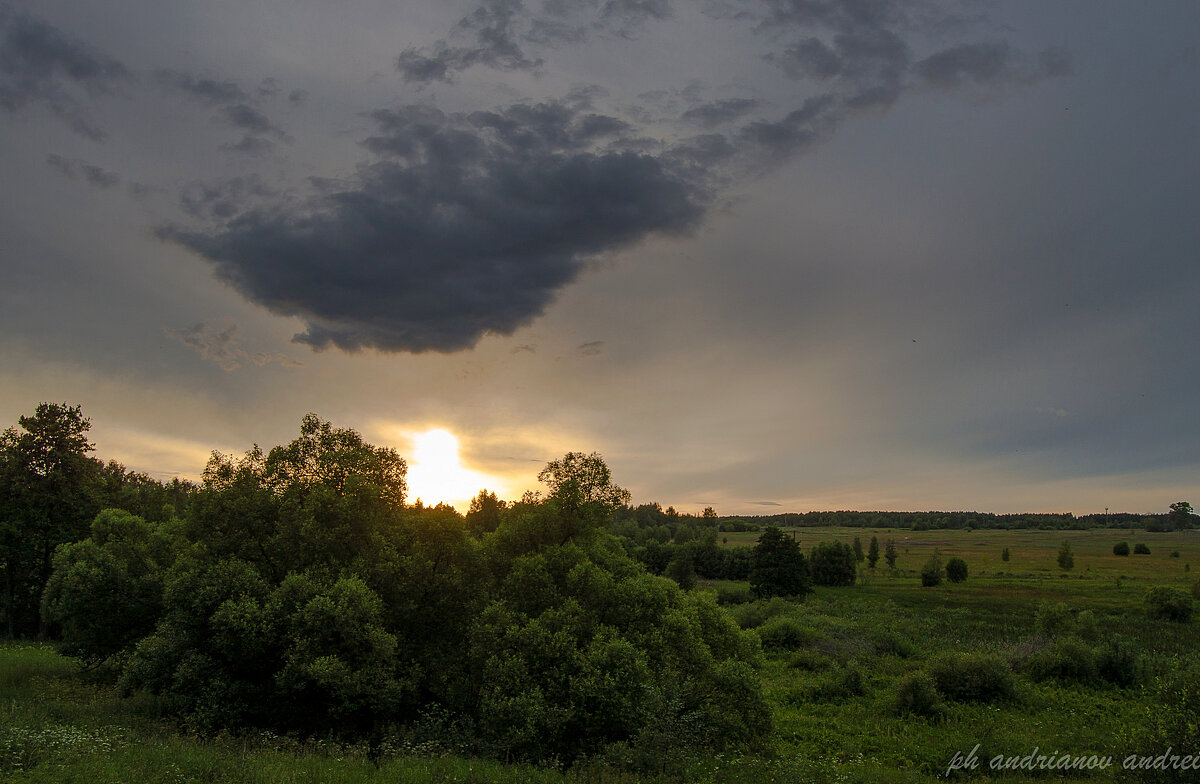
(761, 255)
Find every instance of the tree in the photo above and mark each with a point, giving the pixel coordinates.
(833, 564)
(484, 513)
(931, 572)
(1181, 516)
(873, 552)
(1121, 548)
(681, 570)
(956, 570)
(46, 499)
(889, 554)
(582, 490)
(1066, 558)
(858, 550)
(1004, 555)
(1141, 548)
(777, 567)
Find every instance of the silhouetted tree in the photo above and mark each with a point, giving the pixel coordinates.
(777, 567)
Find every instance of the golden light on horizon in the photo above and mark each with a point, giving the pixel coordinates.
(436, 473)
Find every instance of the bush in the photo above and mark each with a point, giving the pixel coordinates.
(1173, 721)
(1169, 604)
(956, 570)
(1121, 548)
(737, 594)
(1141, 549)
(833, 564)
(755, 614)
(1174, 553)
(782, 632)
(809, 660)
(1196, 589)
(1085, 626)
(1004, 555)
(1068, 659)
(931, 572)
(1054, 620)
(973, 677)
(916, 694)
(888, 643)
(846, 682)
(1119, 664)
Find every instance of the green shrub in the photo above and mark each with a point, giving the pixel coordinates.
(956, 570)
(888, 643)
(1169, 604)
(844, 683)
(1174, 553)
(1196, 589)
(1085, 626)
(1121, 548)
(1004, 555)
(727, 595)
(1172, 721)
(833, 564)
(1054, 620)
(755, 614)
(973, 677)
(782, 632)
(931, 572)
(1066, 659)
(1118, 663)
(809, 660)
(916, 694)
(1141, 549)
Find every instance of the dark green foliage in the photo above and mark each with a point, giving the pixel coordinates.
(973, 677)
(809, 660)
(1066, 557)
(916, 694)
(755, 614)
(1141, 549)
(843, 683)
(1169, 604)
(1174, 554)
(833, 564)
(777, 567)
(1196, 589)
(873, 552)
(733, 595)
(931, 572)
(1121, 548)
(1172, 723)
(1118, 663)
(888, 643)
(782, 632)
(46, 499)
(1181, 517)
(858, 550)
(1065, 659)
(889, 554)
(956, 570)
(1004, 555)
(681, 571)
(485, 512)
(106, 591)
(1054, 619)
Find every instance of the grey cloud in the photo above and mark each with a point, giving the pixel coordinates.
(246, 117)
(224, 347)
(766, 503)
(467, 226)
(298, 96)
(250, 145)
(223, 200)
(91, 174)
(41, 65)
(524, 348)
(593, 348)
(989, 63)
(717, 113)
(206, 90)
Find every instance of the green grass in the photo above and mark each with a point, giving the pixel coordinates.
(831, 694)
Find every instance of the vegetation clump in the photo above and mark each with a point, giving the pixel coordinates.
(1121, 548)
(1141, 549)
(1066, 556)
(973, 677)
(916, 694)
(931, 572)
(777, 567)
(1169, 604)
(956, 570)
(833, 564)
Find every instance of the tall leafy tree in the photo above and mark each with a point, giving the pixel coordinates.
(47, 478)
(873, 552)
(777, 567)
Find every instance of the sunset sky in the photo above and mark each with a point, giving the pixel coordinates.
(764, 255)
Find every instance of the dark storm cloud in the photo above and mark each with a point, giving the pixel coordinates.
(467, 224)
(91, 174)
(246, 117)
(41, 65)
(220, 201)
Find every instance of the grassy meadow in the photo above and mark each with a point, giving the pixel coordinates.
(834, 668)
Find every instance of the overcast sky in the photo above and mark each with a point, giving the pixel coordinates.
(765, 255)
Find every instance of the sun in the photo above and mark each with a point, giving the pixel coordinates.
(436, 473)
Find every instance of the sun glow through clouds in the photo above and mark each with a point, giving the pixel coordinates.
(436, 473)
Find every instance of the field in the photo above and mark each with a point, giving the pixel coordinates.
(833, 665)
